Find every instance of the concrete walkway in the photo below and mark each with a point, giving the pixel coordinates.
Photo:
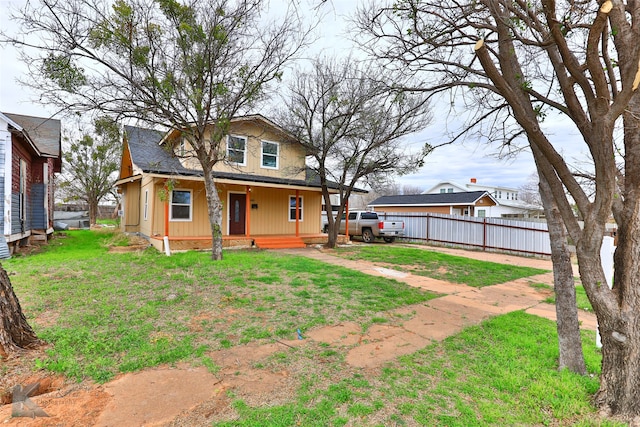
(459, 307)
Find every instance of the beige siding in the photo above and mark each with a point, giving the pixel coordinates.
(199, 223)
(271, 216)
(146, 225)
(291, 156)
(130, 222)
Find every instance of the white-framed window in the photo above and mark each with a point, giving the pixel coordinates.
(146, 204)
(443, 190)
(237, 149)
(449, 190)
(292, 208)
(482, 213)
(181, 205)
(269, 155)
(182, 147)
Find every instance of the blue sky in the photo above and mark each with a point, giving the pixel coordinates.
(459, 162)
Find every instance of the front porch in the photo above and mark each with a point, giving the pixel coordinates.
(243, 241)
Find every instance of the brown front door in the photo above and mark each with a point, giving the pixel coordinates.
(237, 213)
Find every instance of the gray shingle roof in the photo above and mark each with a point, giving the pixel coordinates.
(465, 198)
(45, 133)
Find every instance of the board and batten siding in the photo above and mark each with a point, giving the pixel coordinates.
(130, 221)
(5, 141)
(199, 223)
(38, 211)
(270, 210)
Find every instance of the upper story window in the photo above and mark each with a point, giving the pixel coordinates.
(270, 151)
(443, 190)
(181, 205)
(237, 149)
(182, 147)
(449, 190)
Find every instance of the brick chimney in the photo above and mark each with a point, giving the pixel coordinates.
(473, 180)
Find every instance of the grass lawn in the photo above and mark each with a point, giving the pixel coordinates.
(106, 313)
(114, 312)
(439, 265)
(582, 301)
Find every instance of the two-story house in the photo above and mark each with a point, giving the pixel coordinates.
(508, 205)
(30, 154)
(262, 184)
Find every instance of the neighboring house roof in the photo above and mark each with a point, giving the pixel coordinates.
(470, 186)
(44, 133)
(150, 157)
(436, 199)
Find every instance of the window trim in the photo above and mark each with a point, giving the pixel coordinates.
(171, 204)
(146, 205)
(262, 154)
(291, 209)
(244, 152)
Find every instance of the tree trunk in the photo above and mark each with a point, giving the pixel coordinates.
(619, 392)
(214, 206)
(569, 341)
(15, 332)
(93, 212)
(619, 324)
(332, 234)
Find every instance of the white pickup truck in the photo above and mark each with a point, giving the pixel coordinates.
(369, 226)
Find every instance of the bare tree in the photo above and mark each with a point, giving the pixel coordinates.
(516, 62)
(529, 192)
(352, 126)
(89, 166)
(190, 66)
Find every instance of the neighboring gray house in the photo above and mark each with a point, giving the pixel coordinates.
(30, 155)
(469, 203)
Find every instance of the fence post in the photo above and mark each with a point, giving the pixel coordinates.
(427, 236)
(484, 234)
(606, 257)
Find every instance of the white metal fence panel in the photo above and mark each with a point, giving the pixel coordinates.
(486, 233)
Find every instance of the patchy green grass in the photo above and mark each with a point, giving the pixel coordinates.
(105, 313)
(582, 300)
(117, 312)
(438, 265)
(502, 372)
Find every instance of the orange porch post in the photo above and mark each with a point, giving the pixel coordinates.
(297, 213)
(346, 219)
(247, 226)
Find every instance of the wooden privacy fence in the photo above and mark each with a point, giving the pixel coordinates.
(521, 236)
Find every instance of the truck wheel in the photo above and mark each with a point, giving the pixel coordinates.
(367, 236)
(389, 239)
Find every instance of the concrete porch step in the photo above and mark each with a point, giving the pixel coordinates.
(279, 242)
